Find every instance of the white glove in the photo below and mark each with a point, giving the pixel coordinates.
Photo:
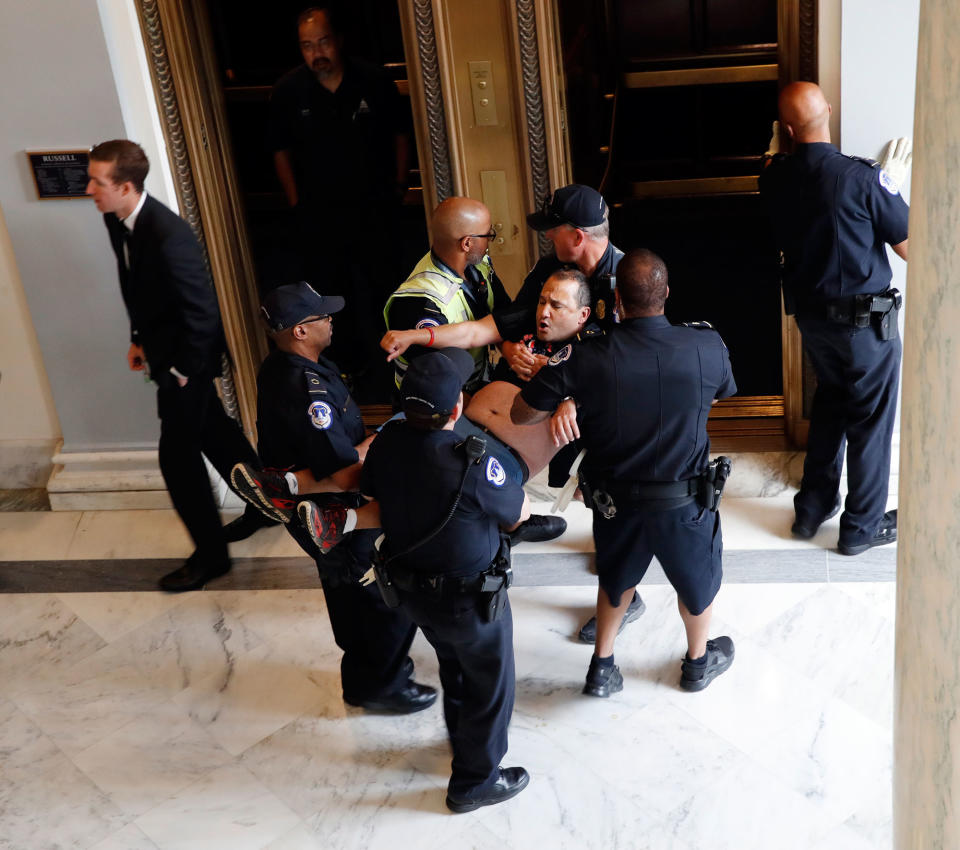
(896, 160)
(775, 145)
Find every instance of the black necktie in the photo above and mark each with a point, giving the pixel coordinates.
(125, 239)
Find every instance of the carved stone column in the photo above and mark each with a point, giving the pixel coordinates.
(926, 791)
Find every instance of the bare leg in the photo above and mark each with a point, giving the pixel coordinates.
(609, 619)
(697, 627)
(368, 515)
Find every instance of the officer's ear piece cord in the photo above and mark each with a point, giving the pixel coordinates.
(474, 447)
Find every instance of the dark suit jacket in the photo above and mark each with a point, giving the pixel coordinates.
(170, 300)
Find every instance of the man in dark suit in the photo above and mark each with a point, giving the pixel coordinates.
(175, 334)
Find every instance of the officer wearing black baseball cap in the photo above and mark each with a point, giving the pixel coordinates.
(575, 219)
(307, 421)
(443, 503)
(287, 306)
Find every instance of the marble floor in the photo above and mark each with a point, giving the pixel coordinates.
(211, 720)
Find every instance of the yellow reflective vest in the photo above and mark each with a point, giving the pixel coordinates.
(441, 286)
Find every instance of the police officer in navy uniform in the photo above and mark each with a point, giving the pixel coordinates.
(443, 504)
(833, 217)
(309, 424)
(644, 392)
(341, 135)
(575, 219)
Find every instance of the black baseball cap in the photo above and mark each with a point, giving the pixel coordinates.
(433, 381)
(289, 305)
(575, 204)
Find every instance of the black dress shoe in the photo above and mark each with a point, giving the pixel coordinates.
(410, 698)
(246, 525)
(602, 681)
(194, 574)
(805, 528)
(538, 529)
(886, 533)
(511, 782)
(588, 632)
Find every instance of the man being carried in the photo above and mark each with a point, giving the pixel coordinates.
(561, 316)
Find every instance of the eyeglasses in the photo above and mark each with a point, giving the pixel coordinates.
(491, 235)
(317, 319)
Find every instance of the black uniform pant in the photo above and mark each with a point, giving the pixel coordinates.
(193, 423)
(854, 405)
(478, 679)
(687, 541)
(375, 639)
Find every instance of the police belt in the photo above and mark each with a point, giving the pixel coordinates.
(854, 310)
(649, 491)
(440, 584)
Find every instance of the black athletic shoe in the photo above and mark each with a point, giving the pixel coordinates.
(412, 697)
(538, 529)
(886, 533)
(602, 681)
(194, 574)
(588, 633)
(695, 677)
(511, 782)
(806, 528)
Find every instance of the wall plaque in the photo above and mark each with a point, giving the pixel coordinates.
(59, 174)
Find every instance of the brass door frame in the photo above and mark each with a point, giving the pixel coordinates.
(193, 117)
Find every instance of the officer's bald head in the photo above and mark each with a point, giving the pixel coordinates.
(805, 113)
(457, 218)
(642, 284)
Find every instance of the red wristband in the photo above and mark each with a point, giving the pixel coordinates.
(429, 330)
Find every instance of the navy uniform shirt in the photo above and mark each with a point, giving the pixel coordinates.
(518, 323)
(342, 142)
(306, 418)
(643, 391)
(832, 215)
(601, 287)
(415, 475)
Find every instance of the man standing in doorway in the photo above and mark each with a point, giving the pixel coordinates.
(340, 136)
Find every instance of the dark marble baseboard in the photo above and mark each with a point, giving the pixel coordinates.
(534, 569)
(35, 499)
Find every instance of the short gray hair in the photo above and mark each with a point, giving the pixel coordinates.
(598, 231)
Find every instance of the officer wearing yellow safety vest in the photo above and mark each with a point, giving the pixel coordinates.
(454, 282)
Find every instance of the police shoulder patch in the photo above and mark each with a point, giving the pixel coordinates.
(563, 354)
(888, 182)
(494, 472)
(321, 415)
(427, 323)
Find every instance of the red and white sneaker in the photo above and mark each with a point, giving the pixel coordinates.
(265, 489)
(324, 524)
